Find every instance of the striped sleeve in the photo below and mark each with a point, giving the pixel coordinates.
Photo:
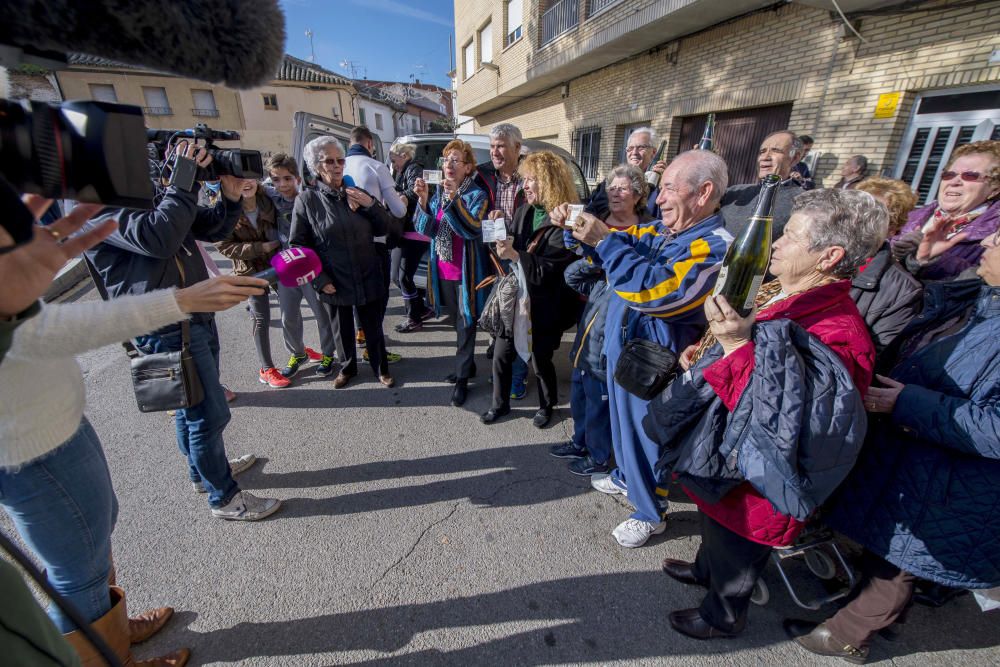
(424, 221)
(671, 280)
(466, 213)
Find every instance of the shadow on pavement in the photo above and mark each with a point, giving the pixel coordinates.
(597, 619)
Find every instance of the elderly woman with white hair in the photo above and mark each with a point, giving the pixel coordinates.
(800, 363)
(340, 223)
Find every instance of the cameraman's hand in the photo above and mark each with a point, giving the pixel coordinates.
(271, 246)
(194, 152)
(329, 289)
(232, 187)
(26, 272)
(218, 293)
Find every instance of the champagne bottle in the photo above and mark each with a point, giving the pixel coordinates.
(652, 177)
(745, 264)
(707, 136)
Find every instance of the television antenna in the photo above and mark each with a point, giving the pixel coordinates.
(312, 51)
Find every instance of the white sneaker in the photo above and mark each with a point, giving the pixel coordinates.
(605, 484)
(247, 507)
(236, 466)
(633, 533)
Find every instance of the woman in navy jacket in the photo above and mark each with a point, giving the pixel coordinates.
(924, 498)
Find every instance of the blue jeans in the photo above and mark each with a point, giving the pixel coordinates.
(65, 508)
(200, 427)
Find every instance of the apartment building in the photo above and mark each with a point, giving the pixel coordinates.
(901, 84)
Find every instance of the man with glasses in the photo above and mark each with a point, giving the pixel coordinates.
(639, 152)
(778, 153)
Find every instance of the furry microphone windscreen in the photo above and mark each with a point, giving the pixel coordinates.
(236, 42)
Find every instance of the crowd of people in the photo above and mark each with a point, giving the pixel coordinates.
(860, 391)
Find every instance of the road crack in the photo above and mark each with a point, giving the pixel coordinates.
(416, 543)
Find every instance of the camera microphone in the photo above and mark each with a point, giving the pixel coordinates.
(294, 267)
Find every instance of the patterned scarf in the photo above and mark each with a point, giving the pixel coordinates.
(957, 221)
(445, 234)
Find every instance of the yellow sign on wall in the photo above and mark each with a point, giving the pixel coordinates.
(887, 105)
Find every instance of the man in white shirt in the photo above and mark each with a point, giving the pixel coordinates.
(374, 178)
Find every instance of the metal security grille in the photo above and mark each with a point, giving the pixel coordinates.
(587, 146)
(738, 135)
(558, 19)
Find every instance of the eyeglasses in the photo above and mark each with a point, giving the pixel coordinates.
(451, 162)
(638, 148)
(968, 176)
(330, 161)
(614, 189)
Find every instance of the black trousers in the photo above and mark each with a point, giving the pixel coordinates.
(543, 347)
(880, 602)
(370, 317)
(730, 566)
(465, 348)
(410, 252)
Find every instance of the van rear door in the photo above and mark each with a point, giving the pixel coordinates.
(308, 126)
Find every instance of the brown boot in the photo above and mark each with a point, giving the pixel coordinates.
(113, 627)
(147, 624)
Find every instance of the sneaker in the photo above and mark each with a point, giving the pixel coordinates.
(606, 484)
(313, 354)
(391, 357)
(634, 533)
(293, 365)
(567, 450)
(408, 326)
(360, 338)
(428, 314)
(247, 507)
(518, 389)
(587, 467)
(236, 466)
(325, 366)
(272, 378)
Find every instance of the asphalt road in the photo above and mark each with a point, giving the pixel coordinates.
(413, 534)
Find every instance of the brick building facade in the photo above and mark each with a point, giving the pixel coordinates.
(583, 79)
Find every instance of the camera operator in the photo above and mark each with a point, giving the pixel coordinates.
(157, 249)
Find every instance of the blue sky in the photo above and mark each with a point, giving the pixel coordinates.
(390, 39)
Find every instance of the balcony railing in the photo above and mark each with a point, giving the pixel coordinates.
(210, 113)
(600, 5)
(158, 111)
(559, 18)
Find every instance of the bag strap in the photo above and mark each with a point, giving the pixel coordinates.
(130, 351)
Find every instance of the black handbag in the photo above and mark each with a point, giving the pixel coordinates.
(163, 380)
(644, 368)
(166, 380)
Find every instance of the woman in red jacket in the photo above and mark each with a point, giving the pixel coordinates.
(830, 233)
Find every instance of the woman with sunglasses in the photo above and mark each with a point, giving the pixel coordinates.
(453, 220)
(340, 223)
(944, 238)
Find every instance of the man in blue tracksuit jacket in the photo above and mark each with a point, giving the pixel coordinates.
(660, 274)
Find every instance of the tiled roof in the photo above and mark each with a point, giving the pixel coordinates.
(293, 69)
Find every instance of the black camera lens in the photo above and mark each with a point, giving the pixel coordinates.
(87, 151)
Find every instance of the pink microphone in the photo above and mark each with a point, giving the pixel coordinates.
(293, 267)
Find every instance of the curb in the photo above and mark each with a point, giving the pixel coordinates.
(67, 278)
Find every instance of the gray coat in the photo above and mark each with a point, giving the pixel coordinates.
(739, 202)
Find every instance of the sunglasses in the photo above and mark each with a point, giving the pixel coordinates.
(969, 176)
(330, 161)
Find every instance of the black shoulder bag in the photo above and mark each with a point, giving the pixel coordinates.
(163, 380)
(644, 368)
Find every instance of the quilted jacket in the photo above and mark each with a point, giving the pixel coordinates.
(958, 258)
(828, 313)
(925, 494)
(587, 353)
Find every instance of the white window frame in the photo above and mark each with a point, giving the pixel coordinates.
(510, 37)
(485, 37)
(98, 91)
